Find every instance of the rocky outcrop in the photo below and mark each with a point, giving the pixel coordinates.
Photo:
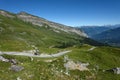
(3, 59)
(114, 70)
(16, 68)
(42, 22)
(6, 14)
(71, 65)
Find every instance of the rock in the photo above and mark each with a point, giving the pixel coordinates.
(13, 61)
(16, 68)
(18, 78)
(43, 22)
(1, 29)
(37, 52)
(71, 65)
(6, 14)
(3, 59)
(114, 70)
(31, 58)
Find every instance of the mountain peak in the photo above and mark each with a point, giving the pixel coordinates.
(23, 13)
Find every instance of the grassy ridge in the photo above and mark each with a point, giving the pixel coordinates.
(17, 35)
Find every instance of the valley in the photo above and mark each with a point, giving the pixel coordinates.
(34, 48)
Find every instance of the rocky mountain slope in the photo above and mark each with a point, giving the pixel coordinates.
(20, 31)
(111, 37)
(41, 22)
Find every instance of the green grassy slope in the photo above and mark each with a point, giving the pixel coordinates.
(103, 57)
(17, 35)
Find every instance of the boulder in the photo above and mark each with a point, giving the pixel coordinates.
(114, 70)
(16, 68)
(3, 59)
(13, 61)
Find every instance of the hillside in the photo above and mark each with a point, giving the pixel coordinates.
(33, 48)
(111, 37)
(21, 31)
(41, 22)
(18, 34)
(95, 63)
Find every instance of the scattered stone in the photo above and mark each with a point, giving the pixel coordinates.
(30, 76)
(36, 50)
(13, 61)
(31, 58)
(115, 70)
(16, 68)
(56, 31)
(48, 60)
(1, 29)
(66, 58)
(18, 78)
(3, 59)
(71, 65)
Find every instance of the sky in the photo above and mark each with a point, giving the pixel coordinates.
(69, 12)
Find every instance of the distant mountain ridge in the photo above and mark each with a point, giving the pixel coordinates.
(93, 30)
(109, 34)
(111, 37)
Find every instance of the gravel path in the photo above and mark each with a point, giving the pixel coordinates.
(32, 55)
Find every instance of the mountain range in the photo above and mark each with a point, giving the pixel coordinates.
(106, 34)
(111, 37)
(34, 48)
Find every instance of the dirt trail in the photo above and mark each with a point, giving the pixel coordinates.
(92, 48)
(32, 55)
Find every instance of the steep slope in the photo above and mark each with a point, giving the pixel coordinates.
(111, 37)
(19, 34)
(41, 22)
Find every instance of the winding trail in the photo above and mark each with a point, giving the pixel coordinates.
(32, 55)
(92, 48)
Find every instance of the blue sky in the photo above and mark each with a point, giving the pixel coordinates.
(69, 12)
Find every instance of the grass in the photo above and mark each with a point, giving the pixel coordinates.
(38, 69)
(17, 35)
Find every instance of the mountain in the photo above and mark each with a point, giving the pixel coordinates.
(23, 30)
(108, 34)
(111, 37)
(93, 30)
(64, 52)
(41, 22)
